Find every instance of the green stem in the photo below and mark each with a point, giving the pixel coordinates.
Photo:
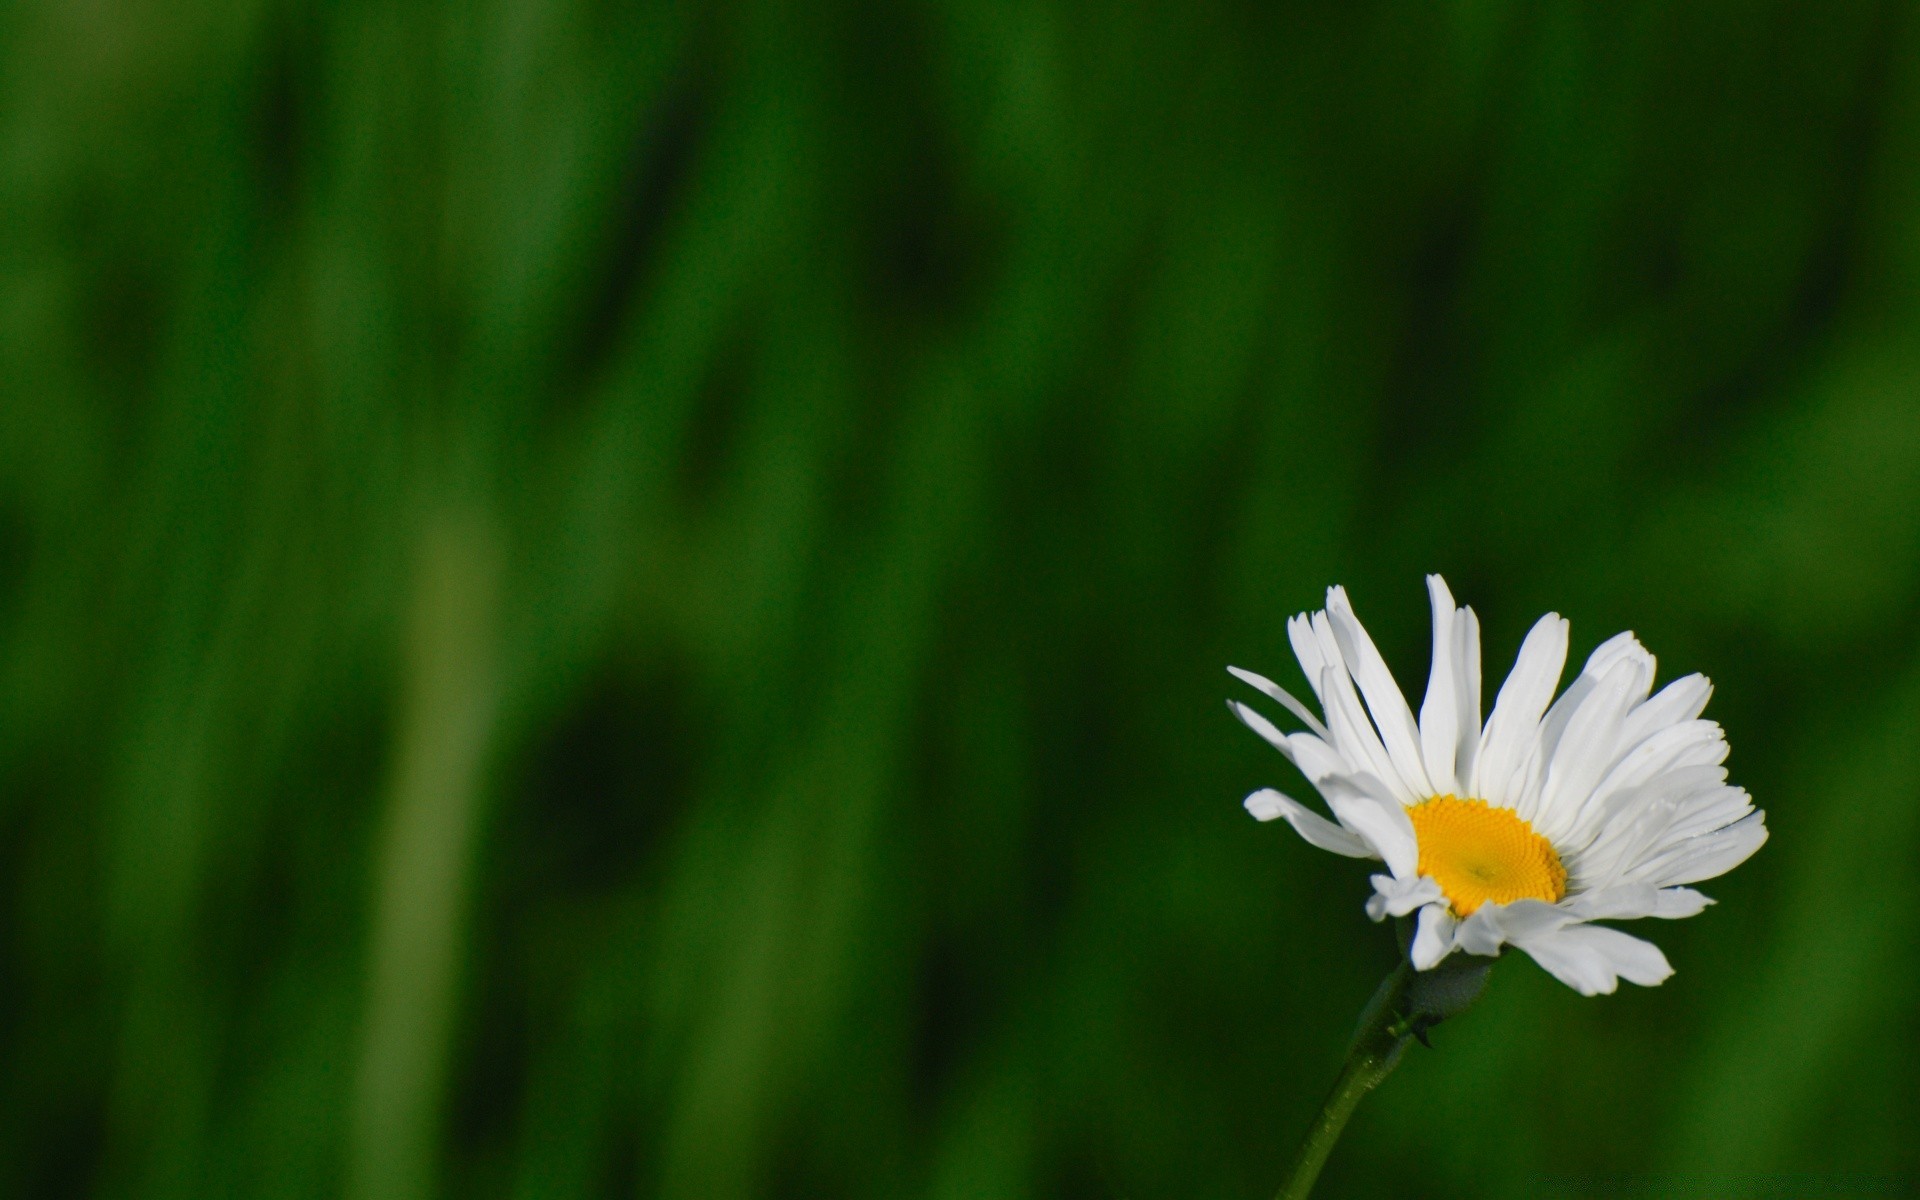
(1377, 1045)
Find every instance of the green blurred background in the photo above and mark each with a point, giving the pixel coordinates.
(631, 601)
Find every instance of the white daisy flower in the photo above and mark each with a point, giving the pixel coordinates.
(1596, 806)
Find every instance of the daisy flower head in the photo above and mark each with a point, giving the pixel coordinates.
(1525, 828)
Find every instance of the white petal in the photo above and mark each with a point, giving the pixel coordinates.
(1480, 933)
(1678, 903)
(1385, 701)
(1316, 760)
(1641, 830)
(1618, 648)
(1364, 805)
(1319, 762)
(1574, 963)
(1592, 959)
(1466, 657)
(1633, 901)
(1493, 925)
(1398, 897)
(1260, 725)
(1432, 938)
(1354, 736)
(1705, 856)
(1634, 830)
(1440, 711)
(1306, 648)
(1672, 748)
(1276, 692)
(1526, 918)
(1708, 810)
(1682, 700)
(1636, 960)
(1513, 729)
(1267, 804)
(1589, 746)
(1692, 819)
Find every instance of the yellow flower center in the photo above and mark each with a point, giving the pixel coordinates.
(1478, 853)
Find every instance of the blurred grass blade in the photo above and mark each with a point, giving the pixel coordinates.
(423, 863)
